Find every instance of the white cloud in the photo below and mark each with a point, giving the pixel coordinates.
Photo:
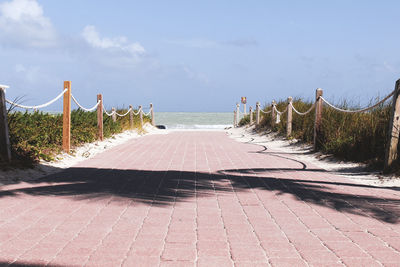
(22, 23)
(194, 43)
(30, 73)
(389, 67)
(204, 43)
(193, 75)
(118, 44)
(242, 42)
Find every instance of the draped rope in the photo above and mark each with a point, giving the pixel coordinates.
(303, 113)
(358, 110)
(108, 114)
(38, 106)
(83, 108)
(279, 112)
(265, 112)
(123, 115)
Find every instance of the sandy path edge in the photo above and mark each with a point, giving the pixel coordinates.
(355, 171)
(79, 154)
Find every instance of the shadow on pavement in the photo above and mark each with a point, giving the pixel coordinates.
(25, 264)
(164, 187)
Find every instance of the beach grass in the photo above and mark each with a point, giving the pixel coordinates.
(359, 137)
(38, 135)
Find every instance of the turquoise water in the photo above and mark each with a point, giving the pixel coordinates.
(194, 120)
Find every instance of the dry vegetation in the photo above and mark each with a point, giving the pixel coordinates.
(359, 137)
(38, 135)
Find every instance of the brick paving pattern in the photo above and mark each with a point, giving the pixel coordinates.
(197, 199)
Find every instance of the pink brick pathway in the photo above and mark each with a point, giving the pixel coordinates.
(197, 199)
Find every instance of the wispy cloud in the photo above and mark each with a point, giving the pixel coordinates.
(205, 43)
(194, 43)
(23, 24)
(374, 64)
(92, 37)
(389, 67)
(31, 73)
(242, 42)
(194, 75)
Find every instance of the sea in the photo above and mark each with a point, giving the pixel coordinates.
(194, 120)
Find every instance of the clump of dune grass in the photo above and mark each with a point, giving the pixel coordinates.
(38, 135)
(359, 137)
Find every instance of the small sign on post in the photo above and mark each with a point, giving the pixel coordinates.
(244, 102)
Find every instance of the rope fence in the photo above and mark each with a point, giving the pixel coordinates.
(5, 148)
(317, 105)
(265, 112)
(302, 113)
(83, 108)
(38, 106)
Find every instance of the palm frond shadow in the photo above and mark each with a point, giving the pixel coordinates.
(166, 187)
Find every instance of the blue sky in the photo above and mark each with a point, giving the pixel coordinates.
(198, 55)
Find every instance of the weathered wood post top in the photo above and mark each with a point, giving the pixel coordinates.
(5, 147)
(318, 118)
(66, 139)
(257, 113)
(273, 113)
(289, 117)
(153, 121)
(141, 115)
(391, 153)
(100, 117)
(251, 115)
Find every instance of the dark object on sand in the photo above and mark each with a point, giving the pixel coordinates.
(161, 127)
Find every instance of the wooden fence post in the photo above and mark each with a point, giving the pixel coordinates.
(394, 126)
(153, 120)
(131, 116)
(289, 117)
(318, 118)
(66, 145)
(114, 115)
(237, 114)
(257, 113)
(141, 115)
(234, 118)
(5, 146)
(100, 117)
(273, 113)
(251, 115)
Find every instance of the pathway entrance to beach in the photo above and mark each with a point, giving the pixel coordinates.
(197, 199)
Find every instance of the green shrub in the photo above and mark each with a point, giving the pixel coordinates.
(38, 135)
(360, 137)
(245, 120)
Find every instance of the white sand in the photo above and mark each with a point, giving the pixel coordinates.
(79, 154)
(355, 171)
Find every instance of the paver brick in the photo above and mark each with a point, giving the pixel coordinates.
(197, 199)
